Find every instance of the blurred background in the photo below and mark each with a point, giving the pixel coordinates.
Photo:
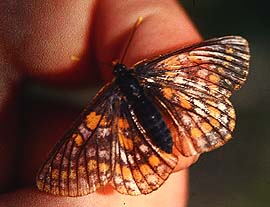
(238, 174)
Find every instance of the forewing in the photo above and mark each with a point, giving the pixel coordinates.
(140, 166)
(193, 86)
(81, 162)
(217, 66)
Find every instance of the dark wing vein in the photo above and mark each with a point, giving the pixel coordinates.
(81, 162)
(193, 85)
(140, 166)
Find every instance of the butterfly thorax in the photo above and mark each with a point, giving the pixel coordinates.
(143, 106)
(128, 83)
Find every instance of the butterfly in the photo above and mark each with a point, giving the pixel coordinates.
(131, 131)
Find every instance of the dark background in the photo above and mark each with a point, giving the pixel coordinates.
(238, 174)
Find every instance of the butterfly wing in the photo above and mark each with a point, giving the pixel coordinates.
(81, 162)
(193, 85)
(140, 166)
(105, 146)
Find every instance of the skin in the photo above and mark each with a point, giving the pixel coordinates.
(42, 41)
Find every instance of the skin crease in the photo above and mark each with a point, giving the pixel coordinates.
(37, 40)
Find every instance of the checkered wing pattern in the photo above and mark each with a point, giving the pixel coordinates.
(193, 86)
(81, 162)
(108, 144)
(105, 145)
(140, 167)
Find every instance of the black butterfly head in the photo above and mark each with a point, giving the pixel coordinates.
(120, 70)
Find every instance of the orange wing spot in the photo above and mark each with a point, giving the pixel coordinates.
(172, 63)
(231, 124)
(40, 184)
(137, 175)
(103, 122)
(154, 161)
(228, 136)
(64, 175)
(196, 133)
(137, 139)
(185, 103)
(103, 167)
(167, 93)
(232, 113)
(78, 139)
(194, 59)
(127, 175)
(128, 143)
(237, 86)
(145, 169)
(81, 170)
(229, 58)
(170, 74)
(230, 50)
(206, 127)
(210, 102)
(225, 63)
(55, 173)
(72, 174)
(92, 120)
(214, 112)
(91, 165)
(63, 192)
(221, 70)
(124, 141)
(118, 169)
(214, 122)
(213, 89)
(121, 140)
(122, 123)
(214, 78)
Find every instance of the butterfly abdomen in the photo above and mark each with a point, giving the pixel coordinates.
(148, 114)
(153, 122)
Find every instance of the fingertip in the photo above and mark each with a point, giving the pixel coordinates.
(185, 162)
(98, 33)
(165, 27)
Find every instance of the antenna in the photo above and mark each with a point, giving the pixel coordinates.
(136, 25)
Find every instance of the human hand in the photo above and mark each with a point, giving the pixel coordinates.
(38, 41)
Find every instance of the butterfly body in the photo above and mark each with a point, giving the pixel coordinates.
(144, 108)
